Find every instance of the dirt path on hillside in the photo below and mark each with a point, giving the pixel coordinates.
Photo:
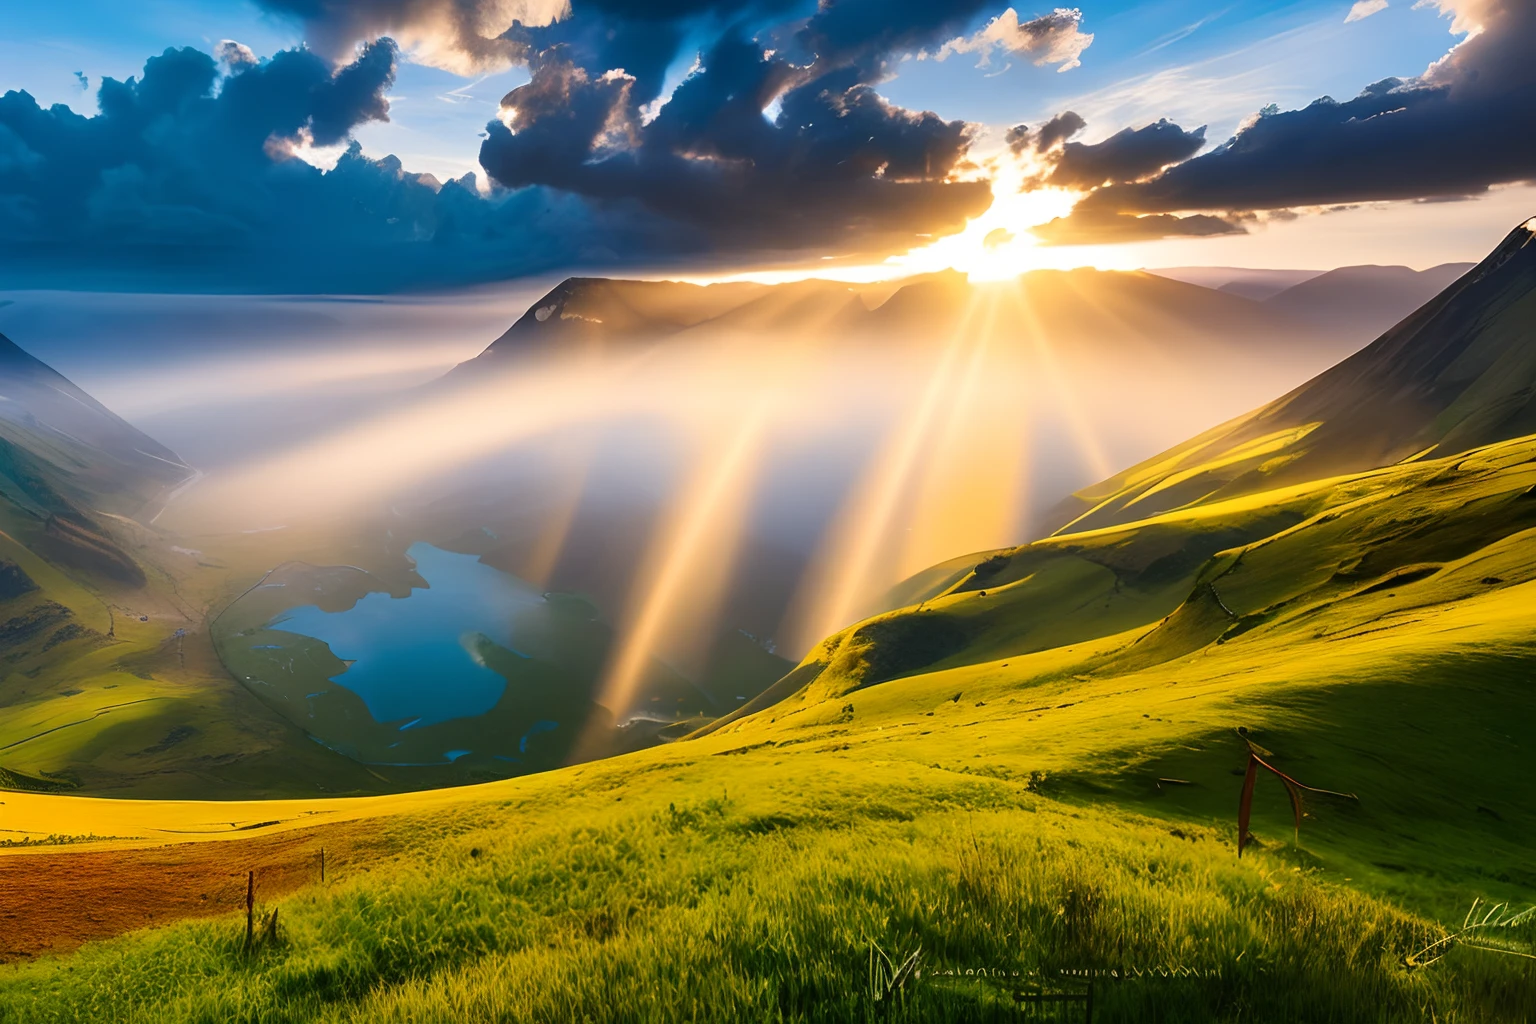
(54, 902)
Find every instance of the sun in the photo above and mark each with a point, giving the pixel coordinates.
(997, 244)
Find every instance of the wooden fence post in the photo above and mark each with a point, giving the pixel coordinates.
(250, 908)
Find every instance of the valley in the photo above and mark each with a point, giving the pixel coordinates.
(1029, 759)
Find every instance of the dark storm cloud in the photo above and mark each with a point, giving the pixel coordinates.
(171, 158)
(1047, 137)
(865, 33)
(1454, 131)
(1058, 130)
(837, 165)
(1098, 227)
(189, 173)
(834, 163)
(775, 140)
(1128, 155)
(470, 36)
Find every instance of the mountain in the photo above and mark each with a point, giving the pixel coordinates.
(1458, 373)
(1255, 284)
(66, 452)
(1364, 300)
(1084, 314)
(66, 462)
(593, 314)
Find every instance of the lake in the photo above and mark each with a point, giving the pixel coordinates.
(411, 658)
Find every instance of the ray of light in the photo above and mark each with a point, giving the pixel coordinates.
(1067, 399)
(689, 560)
(970, 490)
(847, 574)
(365, 463)
(574, 459)
(217, 381)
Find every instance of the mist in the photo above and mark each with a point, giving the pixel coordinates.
(772, 469)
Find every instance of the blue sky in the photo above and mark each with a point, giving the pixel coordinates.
(1194, 61)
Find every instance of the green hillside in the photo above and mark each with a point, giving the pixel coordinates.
(108, 681)
(1459, 372)
(1025, 778)
(988, 780)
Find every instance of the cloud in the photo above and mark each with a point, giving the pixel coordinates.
(234, 55)
(1097, 227)
(1454, 130)
(839, 165)
(1128, 155)
(866, 33)
(1058, 130)
(187, 176)
(192, 171)
(1055, 38)
(176, 153)
(777, 139)
(1364, 9)
(463, 36)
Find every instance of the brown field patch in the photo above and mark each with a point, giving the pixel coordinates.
(53, 902)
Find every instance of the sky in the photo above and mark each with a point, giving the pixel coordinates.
(286, 145)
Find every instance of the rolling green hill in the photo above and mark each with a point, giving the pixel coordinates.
(1024, 777)
(1049, 803)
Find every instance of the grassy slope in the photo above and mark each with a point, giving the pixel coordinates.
(142, 712)
(1456, 374)
(997, 789)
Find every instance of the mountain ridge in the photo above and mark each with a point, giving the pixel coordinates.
(1457, 373)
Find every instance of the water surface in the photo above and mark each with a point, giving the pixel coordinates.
(412, 657)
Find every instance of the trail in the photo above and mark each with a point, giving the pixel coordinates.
(81, 721)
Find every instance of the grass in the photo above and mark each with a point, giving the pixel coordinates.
(612, 902)
(1032, 769)
(103, 696)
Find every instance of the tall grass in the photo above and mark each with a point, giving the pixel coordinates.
(707, 913)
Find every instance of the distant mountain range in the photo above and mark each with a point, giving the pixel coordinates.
(1257, 284)
(1355, 301)
(1364, 299)
(1084, 313)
